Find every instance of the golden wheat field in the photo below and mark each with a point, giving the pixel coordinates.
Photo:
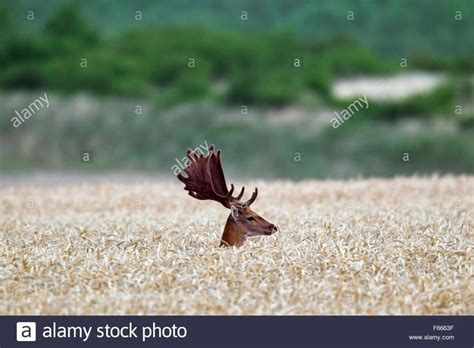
(376, 246)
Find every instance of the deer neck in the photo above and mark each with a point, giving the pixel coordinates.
(233, 234)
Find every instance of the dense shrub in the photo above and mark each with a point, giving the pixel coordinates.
(257, 69)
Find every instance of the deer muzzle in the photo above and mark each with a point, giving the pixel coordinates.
(273, 229)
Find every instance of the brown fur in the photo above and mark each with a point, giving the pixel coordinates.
(233, 235)
(238, 227)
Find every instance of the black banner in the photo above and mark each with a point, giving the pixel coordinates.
(236, 331)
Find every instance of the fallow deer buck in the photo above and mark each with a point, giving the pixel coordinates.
(205, 180)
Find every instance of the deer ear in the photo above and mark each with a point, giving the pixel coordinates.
(234, 212)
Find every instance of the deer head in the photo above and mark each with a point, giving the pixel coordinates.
(205, 180)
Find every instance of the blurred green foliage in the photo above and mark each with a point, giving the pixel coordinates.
(390, 27)
(184, 64)
(156, 63)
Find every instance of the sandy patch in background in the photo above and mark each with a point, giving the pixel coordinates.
(398, 246)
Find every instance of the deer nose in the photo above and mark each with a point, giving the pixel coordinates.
(274, 228)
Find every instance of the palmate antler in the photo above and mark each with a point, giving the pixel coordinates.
(205, 180)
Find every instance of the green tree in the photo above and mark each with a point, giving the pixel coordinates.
(69, 24)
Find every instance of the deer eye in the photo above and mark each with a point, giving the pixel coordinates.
(250, 218)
